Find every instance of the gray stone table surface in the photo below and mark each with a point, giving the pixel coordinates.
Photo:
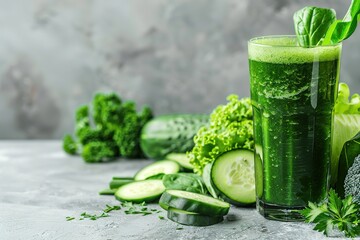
(40, 185)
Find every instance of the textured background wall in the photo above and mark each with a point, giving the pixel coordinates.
(176, 56)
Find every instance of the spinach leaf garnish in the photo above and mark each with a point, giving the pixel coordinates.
(318, 26)
(342, 29)
(189, 182)
(311, 25)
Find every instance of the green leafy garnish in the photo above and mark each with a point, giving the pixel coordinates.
(342, 29)
(111, 208)
(69, 218)
(318, 26)
(189, 182)
(93, 216)
(105, 212)
(335, 213)
(311, 25)
(142, 209)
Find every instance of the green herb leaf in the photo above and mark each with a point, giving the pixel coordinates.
(161, 217)
(93, 216)
(69, 218)
(342, 214)
(111, 208)
(311, 25)
(342, 29)
(313, 211)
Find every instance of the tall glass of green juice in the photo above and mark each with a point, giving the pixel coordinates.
(293, 91)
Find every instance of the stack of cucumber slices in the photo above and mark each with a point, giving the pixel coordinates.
(193, 209)
(190, 199)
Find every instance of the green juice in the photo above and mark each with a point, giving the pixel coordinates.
(293, 91)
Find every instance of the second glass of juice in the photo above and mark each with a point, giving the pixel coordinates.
(293, 92)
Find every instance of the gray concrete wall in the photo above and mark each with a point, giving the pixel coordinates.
(175, 55)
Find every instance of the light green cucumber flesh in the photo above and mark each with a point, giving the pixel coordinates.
(180, 158)
(140, 191)
(233, 176)
(164, 166)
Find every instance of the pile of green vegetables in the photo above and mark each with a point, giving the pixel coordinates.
(221, 141)
(182, 194)
(209, 160)
(219, 149)
(110, 128)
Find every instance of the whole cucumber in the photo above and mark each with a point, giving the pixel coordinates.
(170, 134)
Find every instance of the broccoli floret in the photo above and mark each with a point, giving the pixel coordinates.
(127, 137)
(107, 109)
(352, 180)
(69, 144)
(99, 151)
(83, 130)
(82, 113)
(111, 129)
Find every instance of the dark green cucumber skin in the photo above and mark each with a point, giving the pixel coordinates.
(122, 178)
(193, 219)
(224, 197)
(116, 183)
(137, 200)
(231, 201)
(107, 191)
(207, 180)
(170, 133)
(169, 201)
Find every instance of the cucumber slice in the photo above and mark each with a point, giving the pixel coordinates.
(191, 218)
(164, 166)
(207, 180)
(140, 191)
(193, 202)
(118, 182)
(233, 176)
(181, 159)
